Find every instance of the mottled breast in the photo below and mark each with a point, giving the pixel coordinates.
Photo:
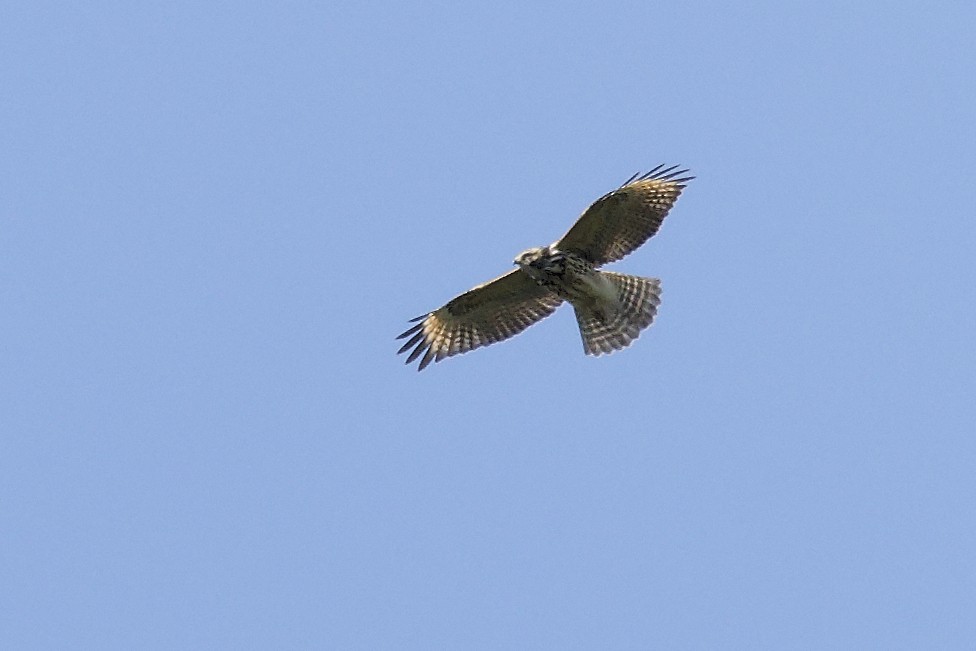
(564, 274)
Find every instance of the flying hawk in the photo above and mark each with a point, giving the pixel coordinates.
(611, 308)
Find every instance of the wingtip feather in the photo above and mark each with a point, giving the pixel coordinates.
(411, 343)
(428, 358)
(661, 173)
(410, 331)
(423, 346)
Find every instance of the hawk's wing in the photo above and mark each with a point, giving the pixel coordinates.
(622, 220)
(496, 310)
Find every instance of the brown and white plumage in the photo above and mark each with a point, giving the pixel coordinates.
(639, 298)
(620, 221)
(496, 310)
(611, 309)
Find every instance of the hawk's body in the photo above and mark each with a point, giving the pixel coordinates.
(567, 274)
(611, 308)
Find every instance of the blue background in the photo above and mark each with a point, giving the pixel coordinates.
(216, 217)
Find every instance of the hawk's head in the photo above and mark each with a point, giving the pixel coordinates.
(531, 257)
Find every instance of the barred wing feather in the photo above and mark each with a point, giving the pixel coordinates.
(491, 312)
(620, 221)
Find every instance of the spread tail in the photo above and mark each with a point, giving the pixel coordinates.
(614, 329)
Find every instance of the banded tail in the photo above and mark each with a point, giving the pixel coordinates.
(638, 300)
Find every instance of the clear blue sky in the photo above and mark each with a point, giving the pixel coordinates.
(217, 216)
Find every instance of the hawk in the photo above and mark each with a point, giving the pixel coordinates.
(611, 308)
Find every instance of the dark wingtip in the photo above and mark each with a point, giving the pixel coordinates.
(662, 173)
(651, 172)
(630, 180)
(411, 343)
(410, 331)
(421, 347)
(428, 358)
(419, 342)
(670, 175)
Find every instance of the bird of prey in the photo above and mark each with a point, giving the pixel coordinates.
(611, 308)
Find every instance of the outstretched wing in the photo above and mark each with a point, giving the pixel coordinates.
(620, 221)
(494, 311)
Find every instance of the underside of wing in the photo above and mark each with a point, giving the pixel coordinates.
(620, 221)
(494, 311)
